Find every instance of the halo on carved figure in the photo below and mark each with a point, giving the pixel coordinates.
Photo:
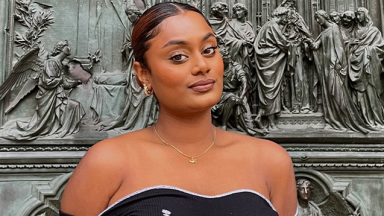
(331, 196)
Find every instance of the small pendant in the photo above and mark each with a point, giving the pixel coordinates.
(193, 160)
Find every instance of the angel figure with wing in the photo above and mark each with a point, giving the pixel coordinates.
(313, 201)
(55, 113)
(306, 207)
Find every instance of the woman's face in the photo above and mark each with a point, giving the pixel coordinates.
(186, 66)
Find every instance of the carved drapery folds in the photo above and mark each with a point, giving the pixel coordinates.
(319, 194)
(300, 103)
(295, 94)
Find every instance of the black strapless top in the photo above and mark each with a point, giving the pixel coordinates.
(166, 200)
(172, 201)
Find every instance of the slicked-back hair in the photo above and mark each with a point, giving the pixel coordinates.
(147, 27)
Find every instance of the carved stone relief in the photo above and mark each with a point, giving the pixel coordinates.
(302, 93)
(45, 198)
(95, 93)
(318, 195)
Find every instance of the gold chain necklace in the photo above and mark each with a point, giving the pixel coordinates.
(191, 158)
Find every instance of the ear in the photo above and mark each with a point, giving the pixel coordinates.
(142, 75)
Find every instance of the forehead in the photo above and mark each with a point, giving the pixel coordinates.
(185, 26)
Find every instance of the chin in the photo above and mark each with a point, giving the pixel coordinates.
(205, 102)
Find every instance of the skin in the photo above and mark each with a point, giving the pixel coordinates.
(139, 159)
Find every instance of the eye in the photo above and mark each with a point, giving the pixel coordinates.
(179, 58)
(210, 50)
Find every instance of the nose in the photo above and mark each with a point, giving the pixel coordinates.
(306, 190)
(201, 65)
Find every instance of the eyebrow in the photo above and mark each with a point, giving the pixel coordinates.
(182, 42)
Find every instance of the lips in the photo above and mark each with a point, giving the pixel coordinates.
(203, 85)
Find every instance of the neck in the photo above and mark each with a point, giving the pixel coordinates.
(191, 133)
(303, 203)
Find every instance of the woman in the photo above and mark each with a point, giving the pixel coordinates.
(331, 63)
(182, 165)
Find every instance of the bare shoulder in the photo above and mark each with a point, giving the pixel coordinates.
(273, 164)
(99, 175)
(258, 147)
(265, 153)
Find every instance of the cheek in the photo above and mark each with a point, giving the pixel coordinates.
(167, 78)
(220, 66)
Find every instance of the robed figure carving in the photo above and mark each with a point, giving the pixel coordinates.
(139, 111)
(335, 17)
(366, 52)
(55, 113)
(340, 113)
(241, 39)
(271, 60)
(232, 111)
(347, 26)
(299, 88)
(219, 20)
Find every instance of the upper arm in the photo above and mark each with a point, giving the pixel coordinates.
(281, 180)
(93, 182)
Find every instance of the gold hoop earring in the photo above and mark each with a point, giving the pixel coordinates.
(147, 91)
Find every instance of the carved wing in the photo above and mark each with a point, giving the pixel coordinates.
(27, 68)
(29, 85)
(336, 205)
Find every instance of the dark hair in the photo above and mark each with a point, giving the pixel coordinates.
(147, 27)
